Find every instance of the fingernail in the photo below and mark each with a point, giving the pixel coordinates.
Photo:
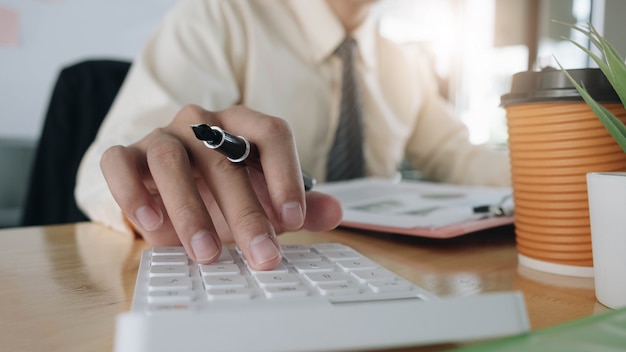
(263, 249)
(292, 216)
(148, 218)
(204, 246)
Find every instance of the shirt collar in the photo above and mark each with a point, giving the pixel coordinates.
(324, 31)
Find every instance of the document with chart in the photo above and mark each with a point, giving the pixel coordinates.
(421, 208)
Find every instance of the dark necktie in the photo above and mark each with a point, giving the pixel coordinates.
(345, 160)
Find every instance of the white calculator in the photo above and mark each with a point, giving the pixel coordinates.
(322, 297)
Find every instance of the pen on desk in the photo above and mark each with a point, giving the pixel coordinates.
(492, 210)
(236, 148)
(488, 209)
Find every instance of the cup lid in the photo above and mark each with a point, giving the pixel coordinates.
(552, 85)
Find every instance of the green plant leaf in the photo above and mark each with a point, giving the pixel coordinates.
(604, 43)
(613, 124)
(612, 64)
(601, 64)
(613, 67)
(587, 33)
(617, 70)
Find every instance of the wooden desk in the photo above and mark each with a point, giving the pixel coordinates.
(62, 286)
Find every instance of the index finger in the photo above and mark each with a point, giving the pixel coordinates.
(231, 188)
(278, 156)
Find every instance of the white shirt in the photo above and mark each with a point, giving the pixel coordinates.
(276, 56)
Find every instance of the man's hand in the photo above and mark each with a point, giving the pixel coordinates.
(176, 191)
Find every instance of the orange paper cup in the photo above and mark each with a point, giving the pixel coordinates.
(554, 141)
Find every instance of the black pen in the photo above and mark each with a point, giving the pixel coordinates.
(236, 148)
(492, 210)
(504, 208)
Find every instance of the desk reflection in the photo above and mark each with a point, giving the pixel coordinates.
(545, 289)
(63, 281)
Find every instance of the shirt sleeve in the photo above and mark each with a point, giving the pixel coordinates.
(189, 60)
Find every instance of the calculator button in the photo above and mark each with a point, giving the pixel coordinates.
(169, 283)
(356, 264)
(169, 270)
(327, 278)
(323, 247)
(236, 293)
(313, 267)
(349, 288)
(390, 286)
(219, 269)
(280, 269)
(169, 260)
(277, 279)
(168, 251)
(365, 276)
(224, 281)
(170, 296)
(286, 291)
(342, 255)
(295, 248)
(302, 257)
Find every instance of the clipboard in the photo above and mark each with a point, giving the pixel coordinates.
(419, 208)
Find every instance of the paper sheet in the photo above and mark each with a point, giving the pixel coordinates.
(418, 207)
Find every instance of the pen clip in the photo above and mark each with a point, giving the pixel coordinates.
(495, 210)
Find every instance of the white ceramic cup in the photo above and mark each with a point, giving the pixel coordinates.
(607, 214)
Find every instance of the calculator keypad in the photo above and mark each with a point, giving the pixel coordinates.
(330, 271)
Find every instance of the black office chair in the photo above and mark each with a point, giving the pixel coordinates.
(81, 98)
